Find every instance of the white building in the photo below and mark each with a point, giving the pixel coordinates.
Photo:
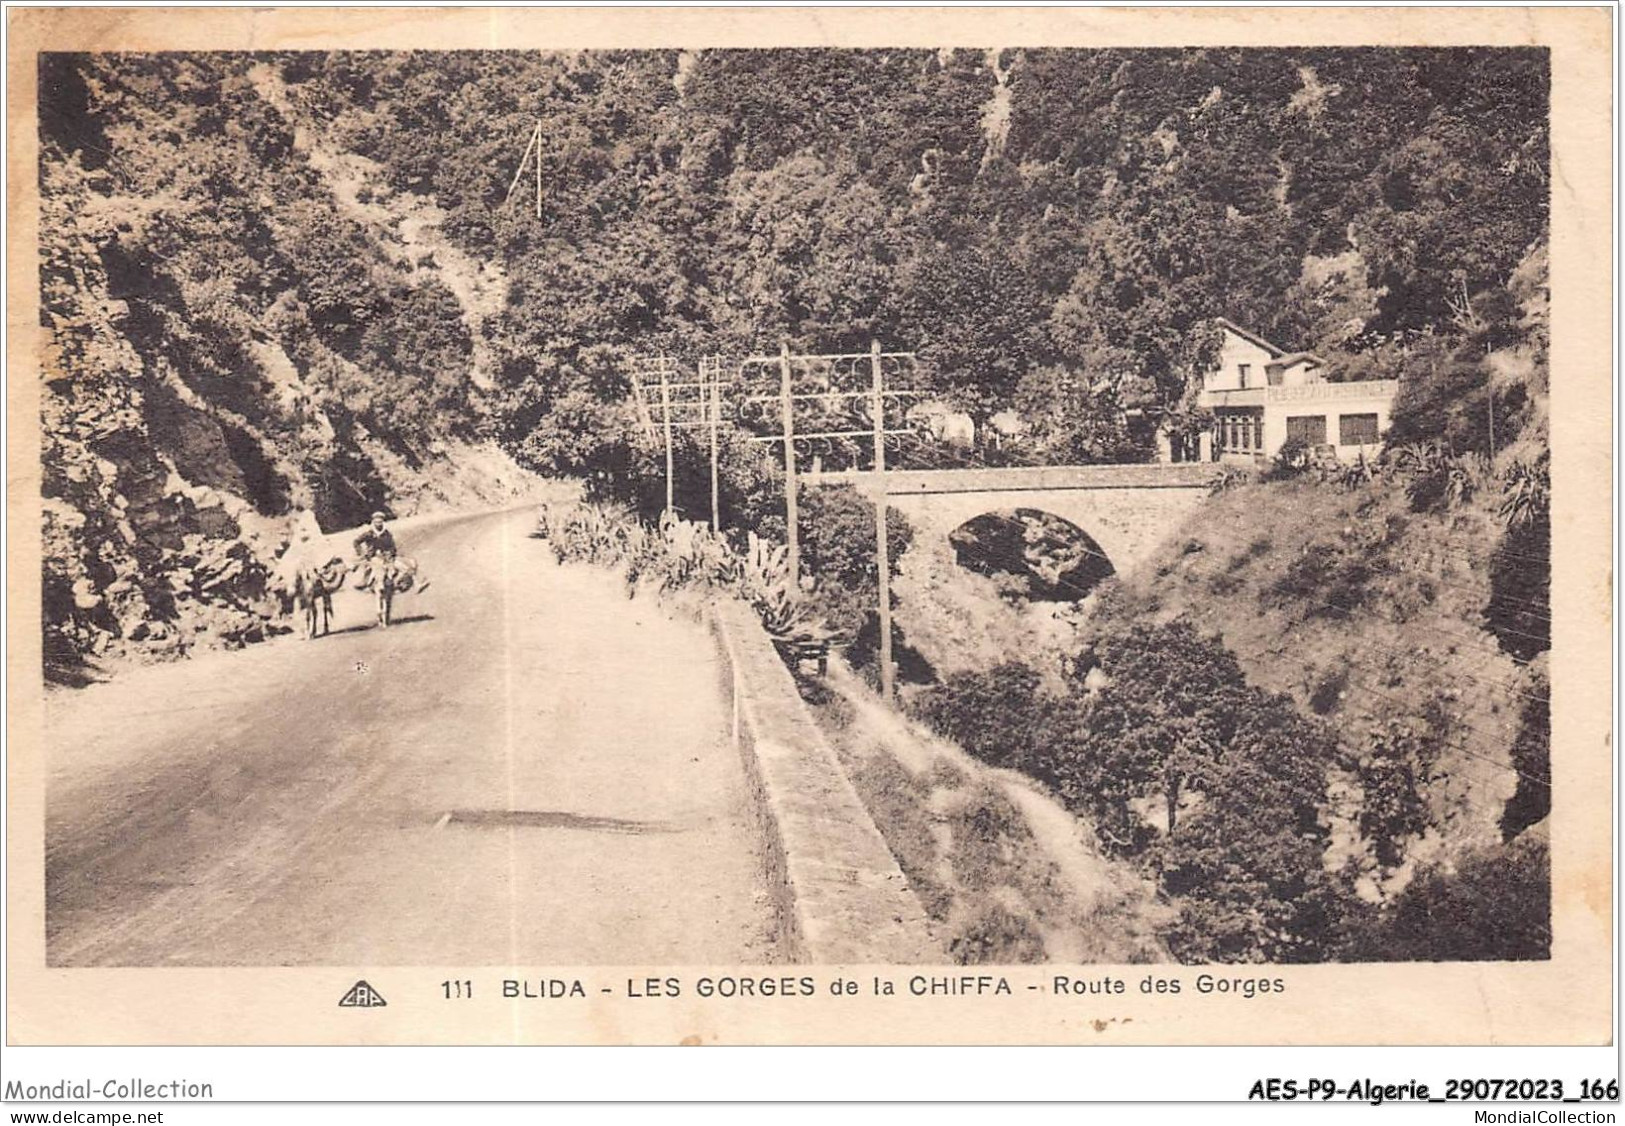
(944, 422)
(1261, 396)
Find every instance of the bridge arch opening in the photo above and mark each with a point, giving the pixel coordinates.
(1032, 553)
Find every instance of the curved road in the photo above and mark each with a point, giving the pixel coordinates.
(528, 769)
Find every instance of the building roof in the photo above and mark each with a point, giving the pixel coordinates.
(1275, 371)
(1250, 337)
(1295, 358)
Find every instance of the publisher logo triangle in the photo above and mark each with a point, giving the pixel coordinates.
(362, 996)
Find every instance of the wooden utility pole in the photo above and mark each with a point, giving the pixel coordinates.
(535, 146)
(888, 686)
(791, 516)
(665, 412)
(716, 419)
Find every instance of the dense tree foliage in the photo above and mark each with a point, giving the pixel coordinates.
(281, 277)
(1216, 786)
(1049, 227)
(1490, 905)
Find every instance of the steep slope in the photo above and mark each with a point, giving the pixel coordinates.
(229, 345)
(407, 229)
(1377, 618)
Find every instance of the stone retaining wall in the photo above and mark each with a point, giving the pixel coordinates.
(839, 896)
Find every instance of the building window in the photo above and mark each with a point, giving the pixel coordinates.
(1239, 431)
(1246, 372)
(1357, 430)
(1310, 429)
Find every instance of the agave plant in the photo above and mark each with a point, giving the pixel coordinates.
(567, 536)
(1440, 478)
(765, 565)
(768, 586)
(1465, 478)
(781, 612)
(607, 536)
(695, 555)
(1527, 492)
(1419, 458)
(683, 557)
(633, 548)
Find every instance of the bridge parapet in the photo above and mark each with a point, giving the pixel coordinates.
(839, 897)
(1018, 479)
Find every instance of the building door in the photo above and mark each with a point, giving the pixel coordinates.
(1310, 429)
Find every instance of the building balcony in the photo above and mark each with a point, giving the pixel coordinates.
(1239, 397)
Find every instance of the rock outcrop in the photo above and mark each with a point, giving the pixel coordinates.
(230, 345)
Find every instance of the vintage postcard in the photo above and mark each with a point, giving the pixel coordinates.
(810, 526)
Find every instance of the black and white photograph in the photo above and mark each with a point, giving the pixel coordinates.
(954, 507)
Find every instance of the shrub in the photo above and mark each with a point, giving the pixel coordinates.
(1532, 759)
(1001, 716)
(1328, 580)
(766, 583)
(1171, 700)
(1239, 776)
(1291, 459)
(990, 839)
(1393, 781)
(1453, 402)
(863, 654)
(1232, 477)
(1358, 473)
(996, 935)
(1494, 905)
(1527, 492)
(837, 527)
(1519, 610)
(1248, 859)
(678, 554)
(1438, 478)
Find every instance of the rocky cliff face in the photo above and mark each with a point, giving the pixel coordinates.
(233, 340)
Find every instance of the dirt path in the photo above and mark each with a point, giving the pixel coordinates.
(528, 769)
(1090, 880)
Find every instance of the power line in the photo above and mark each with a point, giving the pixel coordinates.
(1543, 781)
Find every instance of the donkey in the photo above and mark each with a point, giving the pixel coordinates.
(312, 589)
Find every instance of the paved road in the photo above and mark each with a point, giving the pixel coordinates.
(527, 770)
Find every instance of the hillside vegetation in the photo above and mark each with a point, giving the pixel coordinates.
(293, 284)
(233, 339)
(1320, 714)
(294, 281)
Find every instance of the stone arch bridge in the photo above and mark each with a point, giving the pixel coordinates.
(1127, 509)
